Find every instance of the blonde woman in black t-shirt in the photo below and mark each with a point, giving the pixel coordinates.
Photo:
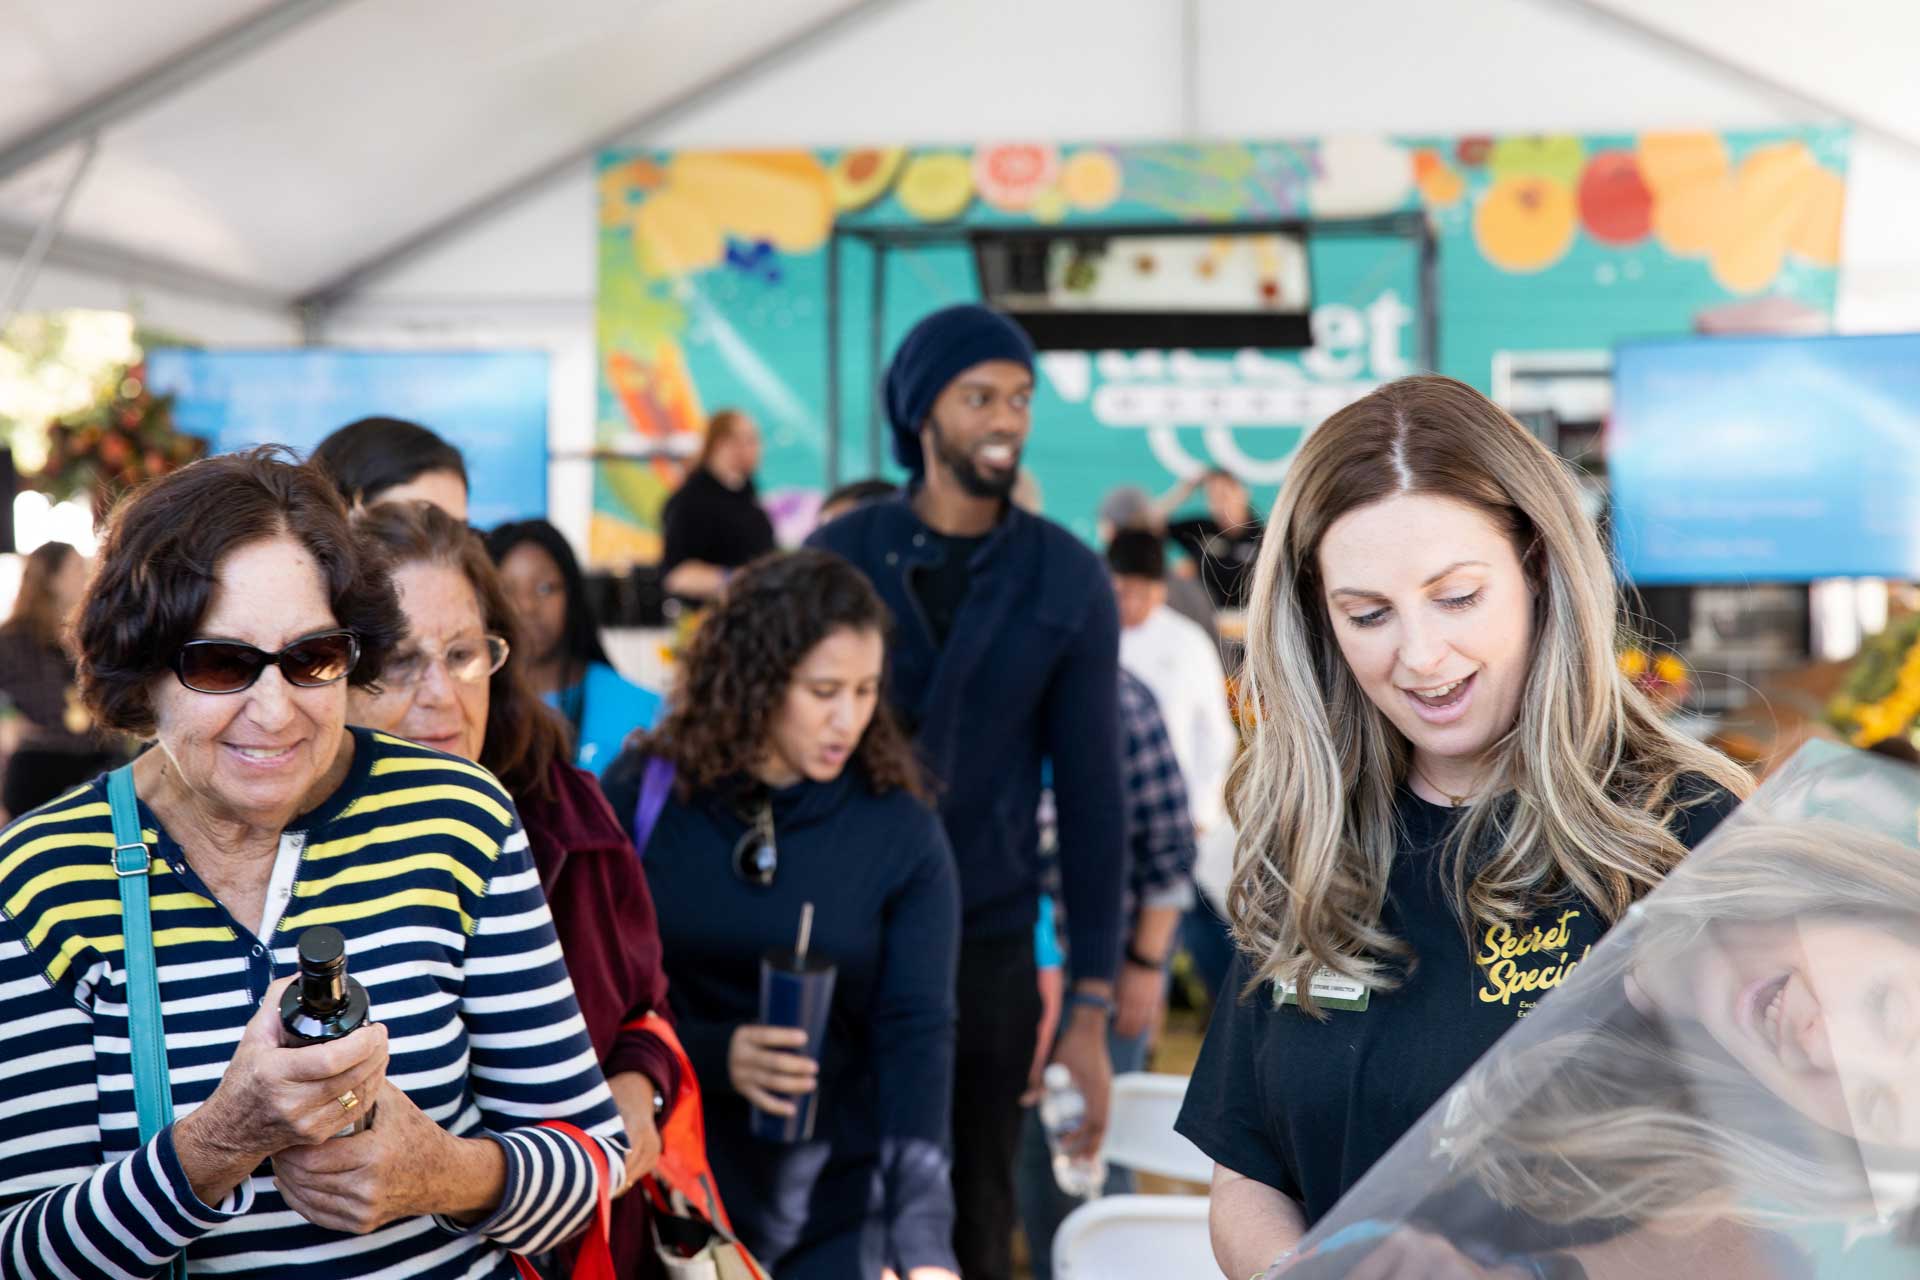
(1450, 792)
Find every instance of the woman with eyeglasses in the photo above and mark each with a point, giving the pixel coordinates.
(792, 784)
(231, 612)
(455, 683)
(565, 662)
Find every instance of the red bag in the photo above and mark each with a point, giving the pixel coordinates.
(682, 1187)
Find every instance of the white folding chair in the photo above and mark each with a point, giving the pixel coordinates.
(1136, 1238)
(1140, 1132)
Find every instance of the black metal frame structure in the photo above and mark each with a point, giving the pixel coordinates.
(1411, 225)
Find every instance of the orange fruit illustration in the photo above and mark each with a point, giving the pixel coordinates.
(1770, 195)
(1526, 223)
(1090, 179)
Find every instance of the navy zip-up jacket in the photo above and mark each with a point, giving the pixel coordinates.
(1029, 673)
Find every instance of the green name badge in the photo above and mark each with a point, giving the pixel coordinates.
(1330, 991)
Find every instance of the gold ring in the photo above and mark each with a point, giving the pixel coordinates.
(348, 1102)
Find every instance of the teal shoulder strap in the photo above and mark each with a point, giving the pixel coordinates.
(146, 1038)
(152, 1095)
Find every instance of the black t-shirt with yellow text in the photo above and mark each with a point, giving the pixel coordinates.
(1308, 1107)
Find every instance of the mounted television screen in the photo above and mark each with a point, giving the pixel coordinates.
(491, 405)
(1199, 288)
(1766, 459)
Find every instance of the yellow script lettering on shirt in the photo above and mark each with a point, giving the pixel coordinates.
(1504, 959)
(1503, 943)
(1506, 979)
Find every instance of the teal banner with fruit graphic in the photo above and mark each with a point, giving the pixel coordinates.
(726, 278)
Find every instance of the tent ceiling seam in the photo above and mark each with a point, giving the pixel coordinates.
(315, 302)
(179, 70)
(1800, 99)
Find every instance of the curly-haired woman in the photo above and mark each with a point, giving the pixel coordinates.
(794, 785)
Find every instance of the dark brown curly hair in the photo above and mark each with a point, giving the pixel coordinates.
(523, 738)
(161, 558)
(736, 671)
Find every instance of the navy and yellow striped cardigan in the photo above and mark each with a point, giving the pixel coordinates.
(420, 861)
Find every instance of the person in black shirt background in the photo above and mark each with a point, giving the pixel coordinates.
(58, 748)
(713, 524)
(1221, 545)
(1449, 794)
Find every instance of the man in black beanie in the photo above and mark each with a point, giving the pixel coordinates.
(1004, 655)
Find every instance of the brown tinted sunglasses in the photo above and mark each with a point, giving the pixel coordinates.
(228, 666)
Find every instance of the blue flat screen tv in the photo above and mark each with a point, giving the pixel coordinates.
(491, 405)
(1766, 459)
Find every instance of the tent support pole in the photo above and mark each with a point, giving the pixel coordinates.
(28, 268)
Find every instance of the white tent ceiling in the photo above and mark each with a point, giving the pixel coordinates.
(267, 153)
(310, 139)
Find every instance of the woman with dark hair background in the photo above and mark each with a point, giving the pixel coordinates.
(455, 683)
(781, 751)
(59, 749)
(713, 524)
(392, 460)
(566, 663)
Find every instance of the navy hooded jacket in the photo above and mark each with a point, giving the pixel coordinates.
(1029, 673)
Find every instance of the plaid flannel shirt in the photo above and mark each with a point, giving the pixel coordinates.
(1160, 843)
(1160, 838)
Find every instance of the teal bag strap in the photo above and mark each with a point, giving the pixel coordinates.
(146, 1038)
(152, 1093)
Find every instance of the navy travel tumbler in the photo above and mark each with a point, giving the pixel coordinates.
(795, 991)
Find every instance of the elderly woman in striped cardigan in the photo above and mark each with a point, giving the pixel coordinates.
(230, 613)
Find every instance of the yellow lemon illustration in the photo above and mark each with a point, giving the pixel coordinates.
(675, 234)
(863, 175)
(782, 197)
(936, 187)
(1090, 180)
(1525, 223)
(1556, 156)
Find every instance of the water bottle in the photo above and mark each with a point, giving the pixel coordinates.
(1062, 1112)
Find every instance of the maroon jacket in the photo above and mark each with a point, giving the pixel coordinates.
(604, 917)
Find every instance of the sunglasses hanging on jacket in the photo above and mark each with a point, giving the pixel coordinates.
(755, 856)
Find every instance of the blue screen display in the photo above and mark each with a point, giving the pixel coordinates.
(491, 405)
(1766, 459)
